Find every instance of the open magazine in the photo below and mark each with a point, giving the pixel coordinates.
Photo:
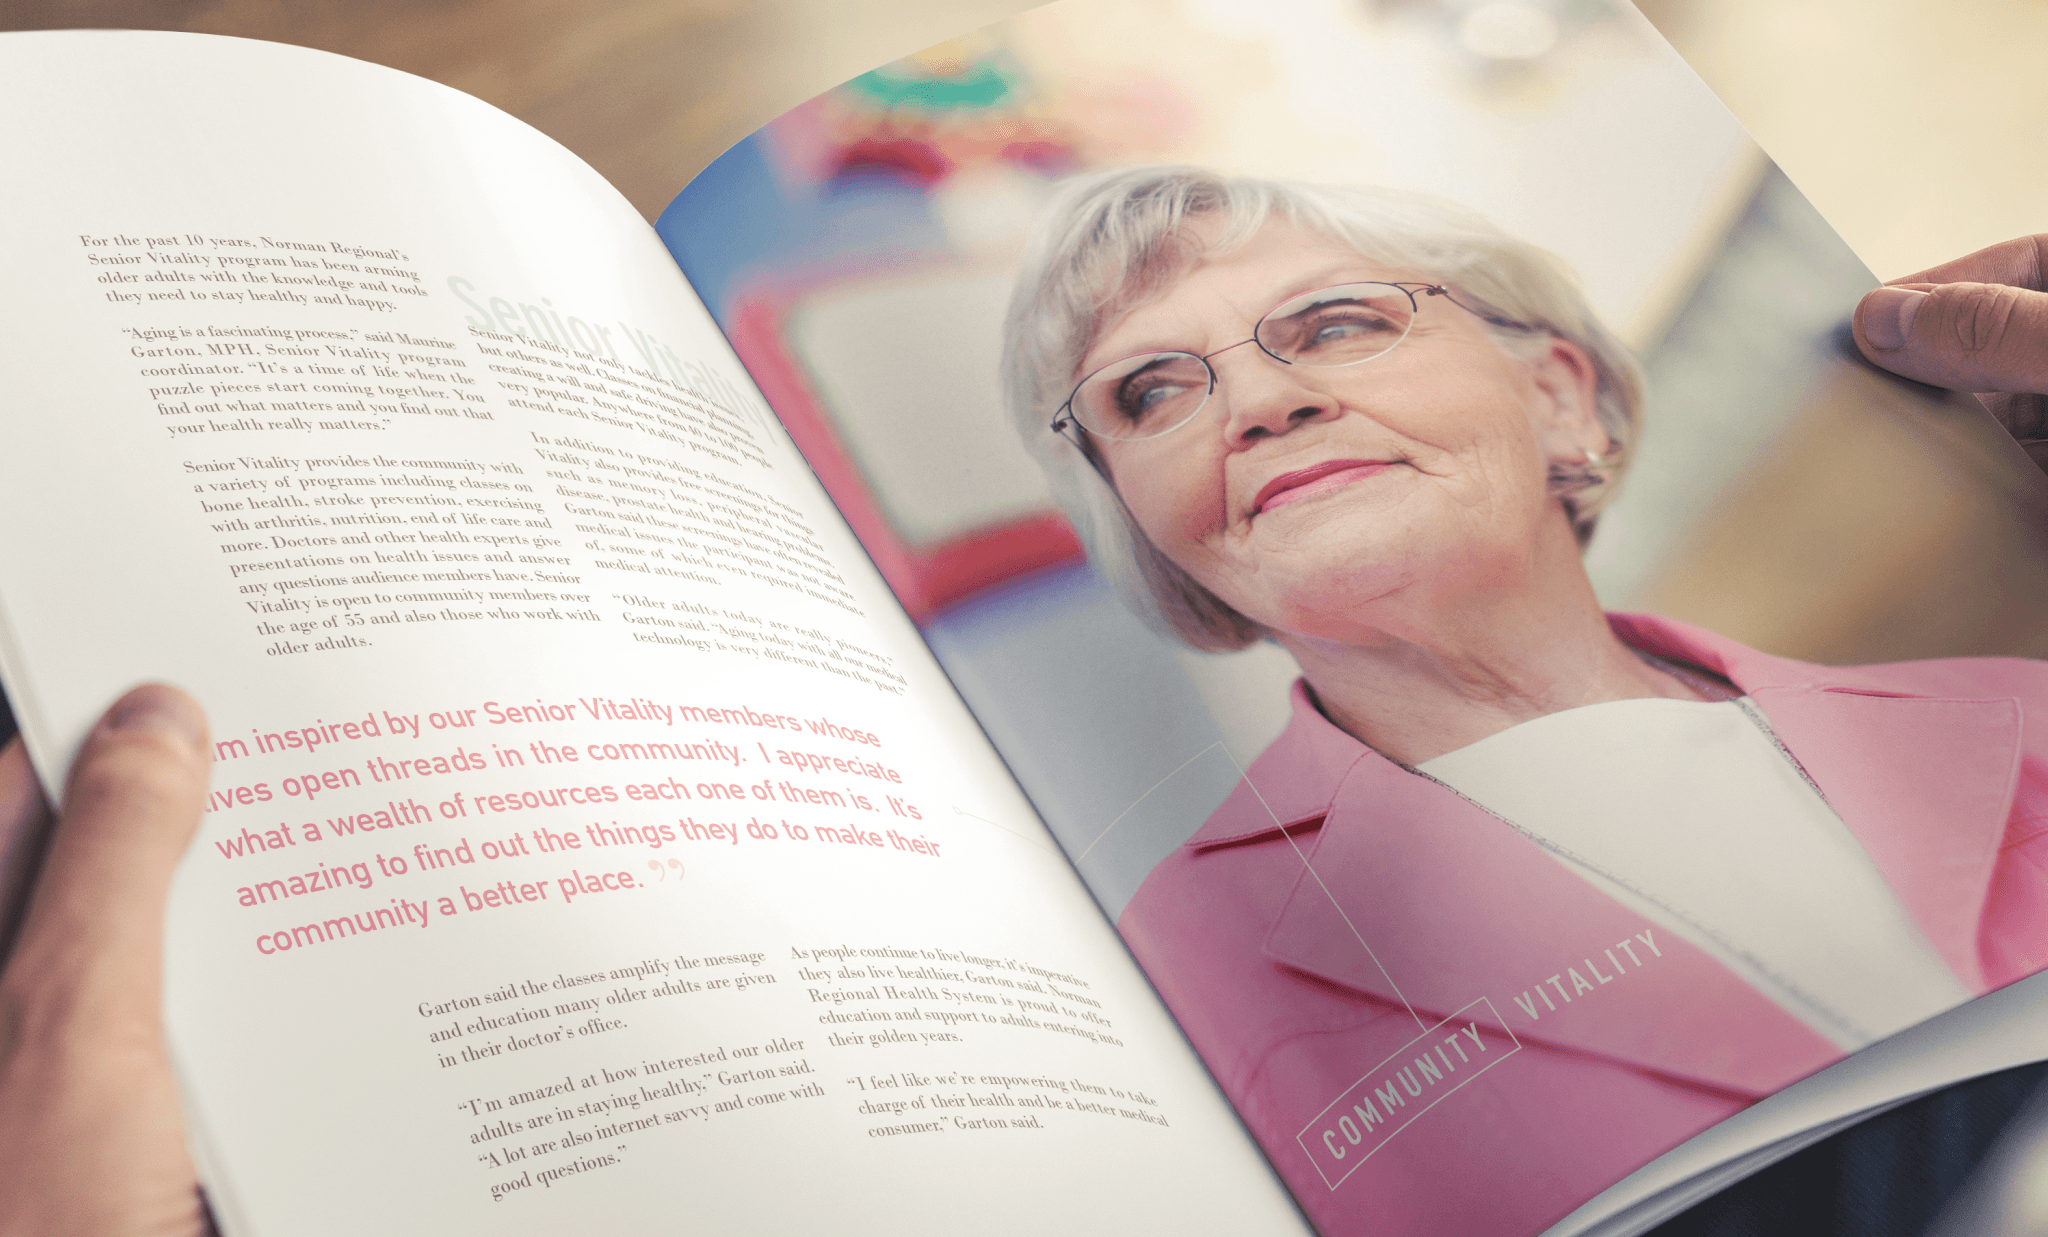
(930, 713)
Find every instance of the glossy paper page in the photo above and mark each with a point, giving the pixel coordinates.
(1390, 481)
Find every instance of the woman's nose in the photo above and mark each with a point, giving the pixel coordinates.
(1264, 397)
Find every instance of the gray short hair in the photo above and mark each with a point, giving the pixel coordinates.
(1113, 240)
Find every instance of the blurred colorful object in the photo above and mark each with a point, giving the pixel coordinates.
(962, 105)
(959, 138)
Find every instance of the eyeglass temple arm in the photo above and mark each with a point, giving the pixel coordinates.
(1060, 426)
(1437, 289)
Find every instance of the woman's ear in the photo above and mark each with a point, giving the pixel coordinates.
(1565, 414)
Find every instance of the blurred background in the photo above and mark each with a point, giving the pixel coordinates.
(1914, 129)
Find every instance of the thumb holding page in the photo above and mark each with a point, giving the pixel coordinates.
(1979, 323)
(90, 1125)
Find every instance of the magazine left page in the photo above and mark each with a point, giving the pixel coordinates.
(593, 844)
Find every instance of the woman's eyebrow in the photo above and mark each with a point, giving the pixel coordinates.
(1359, 271)
(1350, 272)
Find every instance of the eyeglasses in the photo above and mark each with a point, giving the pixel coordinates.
(1156, 393)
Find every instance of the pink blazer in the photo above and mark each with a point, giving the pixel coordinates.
(1432, 1026)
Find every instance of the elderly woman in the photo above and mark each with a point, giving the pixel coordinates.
(1526, 893)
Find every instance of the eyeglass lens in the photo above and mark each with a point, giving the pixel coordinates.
(1149, 395)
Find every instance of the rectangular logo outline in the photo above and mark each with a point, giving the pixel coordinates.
(1495, 1020)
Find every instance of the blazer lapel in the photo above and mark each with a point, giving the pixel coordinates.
(1924, 780)
(1421, 898)
(1926, 786)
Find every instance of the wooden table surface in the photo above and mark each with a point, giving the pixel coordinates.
(1916, 128)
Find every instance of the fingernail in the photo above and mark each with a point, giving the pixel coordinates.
(156, 707)
(1888, 315)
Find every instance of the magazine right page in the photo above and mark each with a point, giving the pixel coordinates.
(1393, 484)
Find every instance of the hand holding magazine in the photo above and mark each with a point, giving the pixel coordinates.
(665, 733)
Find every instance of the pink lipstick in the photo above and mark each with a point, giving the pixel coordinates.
(1320, 479)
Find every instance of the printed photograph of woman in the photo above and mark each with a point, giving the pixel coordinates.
(1669, 873)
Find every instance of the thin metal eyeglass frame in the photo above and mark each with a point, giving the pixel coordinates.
(1065, 416)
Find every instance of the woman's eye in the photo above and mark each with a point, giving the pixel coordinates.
(1338, 334)
(1141, 401)
(1352, 325)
